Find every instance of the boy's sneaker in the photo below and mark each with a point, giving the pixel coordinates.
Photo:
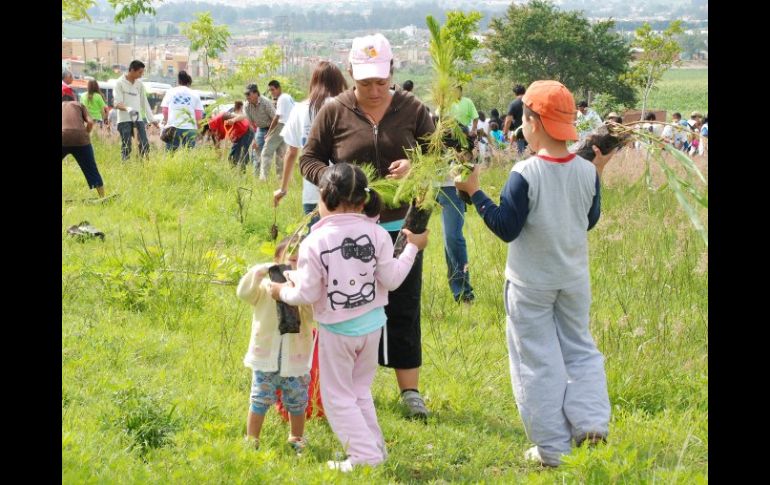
(533, 454)
(590, 439)
(414, 403)
(344, 466)
(298, 443)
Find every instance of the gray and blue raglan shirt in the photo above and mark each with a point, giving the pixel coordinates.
(546, 207)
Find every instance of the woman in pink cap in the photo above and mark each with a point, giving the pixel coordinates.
(373, 124)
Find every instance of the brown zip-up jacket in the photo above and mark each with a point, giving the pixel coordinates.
(342, 133)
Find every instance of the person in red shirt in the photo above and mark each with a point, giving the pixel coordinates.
(66, 80)
(239, 133)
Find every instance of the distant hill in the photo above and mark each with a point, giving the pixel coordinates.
(230, 10)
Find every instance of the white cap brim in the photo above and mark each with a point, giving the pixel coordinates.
(379, 70)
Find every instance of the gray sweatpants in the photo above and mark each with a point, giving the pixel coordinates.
(556, 370)
(274, 147)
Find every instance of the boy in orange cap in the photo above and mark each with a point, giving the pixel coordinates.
(546, 207)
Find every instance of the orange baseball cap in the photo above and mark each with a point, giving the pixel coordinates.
(556, 107)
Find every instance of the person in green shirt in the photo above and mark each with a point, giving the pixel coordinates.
(94, 102)
(464, 111)
(453, 208)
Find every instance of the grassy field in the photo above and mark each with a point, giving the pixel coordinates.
(683, 90)
(154, 391)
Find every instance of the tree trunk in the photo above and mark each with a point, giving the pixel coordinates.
(208, 75)
(647, 89)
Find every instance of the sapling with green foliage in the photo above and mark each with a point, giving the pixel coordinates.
(208, 39)
(659, 53)
(433, 164)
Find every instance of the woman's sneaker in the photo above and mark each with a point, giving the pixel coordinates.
(298, 443)
(415, 405)
(344, 466)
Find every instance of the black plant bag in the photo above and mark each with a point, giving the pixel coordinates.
(168, 134)
(288, 316)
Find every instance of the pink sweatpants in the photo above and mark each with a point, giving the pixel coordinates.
(347, 367)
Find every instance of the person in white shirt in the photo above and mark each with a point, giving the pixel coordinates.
(326, 82)
(274, 144)
(134, 110)
(482, 130)
(674, 133)
(587, 120)
(182, 109)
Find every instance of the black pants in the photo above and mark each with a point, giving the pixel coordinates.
(403, 325)
(84, 155)
(126, 130)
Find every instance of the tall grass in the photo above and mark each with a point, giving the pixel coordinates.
(154, 391)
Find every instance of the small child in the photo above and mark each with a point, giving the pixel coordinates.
(497, 135)
(346, 268)
(278, 361)
(549, 202)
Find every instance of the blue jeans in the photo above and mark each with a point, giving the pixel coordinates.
(239, 153)
(256, 155)
(182, 137)
(521, 145)
(307, 209)
(126, 130)
(452, 220)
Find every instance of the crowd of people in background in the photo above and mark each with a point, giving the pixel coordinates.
(255, 129)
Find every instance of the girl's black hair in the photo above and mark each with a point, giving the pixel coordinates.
(184, 79)
(346, 184)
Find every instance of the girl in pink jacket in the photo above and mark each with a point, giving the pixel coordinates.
(345, 270)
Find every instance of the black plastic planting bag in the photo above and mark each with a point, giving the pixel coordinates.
(603, 138)
(288, 316)
(416, 221)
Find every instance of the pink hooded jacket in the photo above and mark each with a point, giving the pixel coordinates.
(346, 268)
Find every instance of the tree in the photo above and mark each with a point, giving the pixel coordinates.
(660, 52)
(537, 41)
(131, 9)
(460, 27)
(252, 69)
(691, 44)
(74, 10)
(261, 70)
(206, 38)
(95, 70)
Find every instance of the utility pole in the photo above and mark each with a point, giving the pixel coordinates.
(84, 52)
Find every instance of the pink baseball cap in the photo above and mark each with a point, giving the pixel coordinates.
(370, 57)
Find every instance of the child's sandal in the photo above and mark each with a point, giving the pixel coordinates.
(299, 443)
(251, 442)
